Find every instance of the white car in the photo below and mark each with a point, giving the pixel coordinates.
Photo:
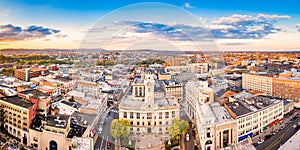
(260, 141)
(294, 126)
(100, 130)
(187, 137)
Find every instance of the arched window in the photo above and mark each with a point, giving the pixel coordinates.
(53, 145)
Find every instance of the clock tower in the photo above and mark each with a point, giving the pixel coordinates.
(149, 88)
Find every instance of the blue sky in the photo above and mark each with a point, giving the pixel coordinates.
(232, 25)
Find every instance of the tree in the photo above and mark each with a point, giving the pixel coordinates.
(178, 129)
(119, 129)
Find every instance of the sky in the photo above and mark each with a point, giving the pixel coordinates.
(164, 24)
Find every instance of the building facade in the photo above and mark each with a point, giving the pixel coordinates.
(196, 91)
(287, 88)
(17, 116)
(257, 82)
(255, 114)
(148, 115)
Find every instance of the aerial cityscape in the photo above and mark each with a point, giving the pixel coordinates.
(149, 75)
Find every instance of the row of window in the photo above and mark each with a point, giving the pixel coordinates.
(149, 115)
(149, 123)
(13, 109)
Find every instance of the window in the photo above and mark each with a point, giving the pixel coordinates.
(149, 123)
(149, 116)
(167, 115)
(173, 114)
(131, 115)
(125, 114)
(160, 115)
(138, 123)
(35, 139)
(138, 115)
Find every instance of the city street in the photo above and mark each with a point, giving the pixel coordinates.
(104, 136)
(274, 142)
(189, 145)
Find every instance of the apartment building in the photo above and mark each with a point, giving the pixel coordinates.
(173, 88)
(17, 116)
(259, 82)
(287, 88)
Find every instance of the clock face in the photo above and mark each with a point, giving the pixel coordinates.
(149, 83)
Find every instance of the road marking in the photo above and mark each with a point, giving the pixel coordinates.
(280, 137)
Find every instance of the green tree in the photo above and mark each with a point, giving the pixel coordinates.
(119, 129)
(178, 129)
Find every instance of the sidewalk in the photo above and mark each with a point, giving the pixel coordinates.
(293, 143)
(275, 127)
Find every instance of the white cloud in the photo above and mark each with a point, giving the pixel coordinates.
(4, 12)
(188, 5)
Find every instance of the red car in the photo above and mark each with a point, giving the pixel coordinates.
(108, 145)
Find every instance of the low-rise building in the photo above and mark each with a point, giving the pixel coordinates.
(255, 114)
(17, 116)
(173, 88)
(216, 128)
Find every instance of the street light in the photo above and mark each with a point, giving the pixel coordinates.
(169, 142)
(129, 142)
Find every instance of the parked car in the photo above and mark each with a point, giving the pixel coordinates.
(187, 137)
(267, 137)
(108, 145)
(260, 141)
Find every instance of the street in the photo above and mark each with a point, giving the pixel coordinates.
(274, 142)
(104, 136)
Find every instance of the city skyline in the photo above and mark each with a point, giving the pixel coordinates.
(226, 25)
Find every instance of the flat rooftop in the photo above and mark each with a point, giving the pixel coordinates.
(34, 93)
(64, 79)
(158, 86)
(138, 80)
(137, 103)
(253, 104)
(172, 83)
(16, 100)
(59, 121)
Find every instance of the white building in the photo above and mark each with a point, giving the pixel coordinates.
(257, 82)
(216, 128)
(255, 114)
(197, 91)
(149, 116)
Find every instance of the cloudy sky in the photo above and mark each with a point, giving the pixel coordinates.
(165, 24)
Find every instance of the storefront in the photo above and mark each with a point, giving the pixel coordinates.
(245, 136)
